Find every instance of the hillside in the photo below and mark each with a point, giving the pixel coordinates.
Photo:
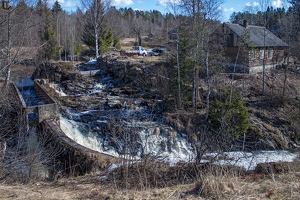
(102, 120)
(274, 126)
(274, 118)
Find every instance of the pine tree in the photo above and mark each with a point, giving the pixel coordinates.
(47, 33)
(56, 7)
(229, 117)
(105, 41)
(186, 66)
(117, 44)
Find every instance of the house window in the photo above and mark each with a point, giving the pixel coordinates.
(231, 39)
(270, 54)
(253, 53)
(262, 54)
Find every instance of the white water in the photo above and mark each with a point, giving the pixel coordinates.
(171, 147)
(182, 150)
(151, 143)
(74, 131)
(58, 89)
(98, 87)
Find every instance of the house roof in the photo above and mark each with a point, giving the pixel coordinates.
(257, 34)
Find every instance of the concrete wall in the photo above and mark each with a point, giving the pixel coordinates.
(43, 112)
(14, 90)
(16, 96)
(259, 69)
(41, 92)
(72, 157)
(69, 156)
(49, 110)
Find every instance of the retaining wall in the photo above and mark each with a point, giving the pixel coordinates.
(73, 157)
(49, 110)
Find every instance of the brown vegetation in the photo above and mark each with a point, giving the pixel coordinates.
(274, 116)
(216, 183)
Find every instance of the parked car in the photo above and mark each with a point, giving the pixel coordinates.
(151, 52)
(159, 51)
(156, 52)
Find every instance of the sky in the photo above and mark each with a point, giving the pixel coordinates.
(228, 7)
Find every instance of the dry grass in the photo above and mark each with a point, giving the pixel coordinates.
(128, 42)
(286, 186)
(283, 186)
(20, 71)
(216, 185)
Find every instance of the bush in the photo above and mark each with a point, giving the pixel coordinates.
(117, 44)
(229, 117)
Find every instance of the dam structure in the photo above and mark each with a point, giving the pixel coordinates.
(41, 116)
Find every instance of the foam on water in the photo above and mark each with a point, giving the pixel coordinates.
(168, 148)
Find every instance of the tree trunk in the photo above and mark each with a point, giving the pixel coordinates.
(208, 85)
(178, 76)
(285, 79)
(232, 74)
(96, 43)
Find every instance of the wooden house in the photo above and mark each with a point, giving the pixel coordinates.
(257, 46)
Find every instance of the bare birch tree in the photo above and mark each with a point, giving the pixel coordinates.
(17, 21)
(95, 17)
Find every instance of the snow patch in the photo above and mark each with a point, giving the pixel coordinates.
(249, 160)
